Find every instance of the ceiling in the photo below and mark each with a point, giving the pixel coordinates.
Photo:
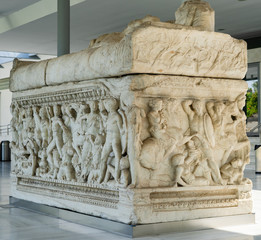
(35, 31)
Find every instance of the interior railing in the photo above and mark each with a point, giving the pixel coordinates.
(5, 129)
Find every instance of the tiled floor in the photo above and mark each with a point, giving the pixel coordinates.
(19, 224)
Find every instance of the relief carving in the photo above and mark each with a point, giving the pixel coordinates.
(137, 125)
(209, 149)
(82, 142)
(187, 142)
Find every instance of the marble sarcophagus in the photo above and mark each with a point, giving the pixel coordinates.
(144, 126)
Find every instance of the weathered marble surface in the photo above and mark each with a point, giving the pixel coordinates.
(98, 142)
(145, 46)
(138, 148)
(196, 13)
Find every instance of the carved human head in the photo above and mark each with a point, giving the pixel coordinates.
(111, 104)
(198, 107)
(220, 106)
(43, 112)
(93, 106)
(14, 108)
(80, 109)
(29, 111)
(56, 110)
(156, 104)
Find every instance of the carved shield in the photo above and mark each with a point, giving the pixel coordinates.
(124, 133)
(209, 130)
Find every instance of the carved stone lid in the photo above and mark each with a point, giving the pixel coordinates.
(146, 46)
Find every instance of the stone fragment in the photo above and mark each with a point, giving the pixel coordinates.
(196, 13)
(27, 75)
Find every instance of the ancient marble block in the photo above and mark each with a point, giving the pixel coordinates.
(167, 143)
(136, 149)
(196, 13)
(27, 75)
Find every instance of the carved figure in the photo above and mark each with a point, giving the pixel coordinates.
(87, 141)
(114, 130)
(93, 128)
(61, 133)
(190, 168)
(66, 170)
(27, 126)
(180, 166)
(110, 169)
(96, 158)
(42, 126)
(72, 114)
(30, 164)
(153, 150)
(199, 124)
(56, 163)
(162, 145)
(42, 169)
(134, 122)
(233, 171)
(236, 116)
(15, 126)
(77, 167)
(202, 173)
(157, 120)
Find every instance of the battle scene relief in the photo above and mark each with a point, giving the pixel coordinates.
(150, 142)
(194, 142)
(81, 142)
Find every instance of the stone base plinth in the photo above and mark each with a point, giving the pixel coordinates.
(137, 206)
(135, 230)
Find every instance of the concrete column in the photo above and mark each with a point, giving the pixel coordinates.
(63, 25)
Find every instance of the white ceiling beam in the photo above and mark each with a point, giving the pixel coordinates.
(31, 13)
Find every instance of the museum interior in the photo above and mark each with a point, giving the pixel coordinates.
(128, 119)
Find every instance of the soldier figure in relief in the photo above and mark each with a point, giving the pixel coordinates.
(114, 131)
(199, 124)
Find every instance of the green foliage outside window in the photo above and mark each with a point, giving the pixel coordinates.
(252, 103)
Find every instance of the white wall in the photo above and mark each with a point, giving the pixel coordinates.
(5, 102)
(254, 55)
